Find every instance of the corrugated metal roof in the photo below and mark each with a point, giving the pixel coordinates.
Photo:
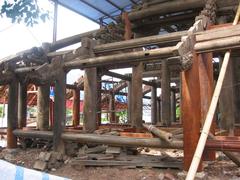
(104, 11)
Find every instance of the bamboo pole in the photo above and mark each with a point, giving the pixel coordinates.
(211, 112)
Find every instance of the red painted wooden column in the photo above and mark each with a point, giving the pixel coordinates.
(191, 111)
(76, 107)
(206, 92)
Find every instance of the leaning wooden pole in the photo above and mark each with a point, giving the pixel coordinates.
(211, 112)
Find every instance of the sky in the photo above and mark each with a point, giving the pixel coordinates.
(17, 37)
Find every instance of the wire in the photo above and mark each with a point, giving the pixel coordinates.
(7, 28)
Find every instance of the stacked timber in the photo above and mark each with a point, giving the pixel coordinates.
(115, 156)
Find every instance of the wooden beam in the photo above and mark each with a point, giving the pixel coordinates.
(154, 105)
(173, 106)
(191, 111)
(76, 107)
(90, 99)
(206, 90)
(59, 112)
(140, 42)
(103, 139)
(165, 96)
(166, 8)
(22, 105)
(12, 114)
(118, 59)
(136, 99)
(43, 107)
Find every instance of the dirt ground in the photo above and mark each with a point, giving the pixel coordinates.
(222, 168)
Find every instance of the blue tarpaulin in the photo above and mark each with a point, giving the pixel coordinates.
(10, 171)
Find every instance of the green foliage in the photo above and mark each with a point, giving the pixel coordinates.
(1, 111)
(122, 116)
(26, 11)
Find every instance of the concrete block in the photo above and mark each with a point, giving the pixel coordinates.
(40, 165)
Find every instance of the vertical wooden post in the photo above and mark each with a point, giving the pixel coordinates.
(22, 105)
(191, 111)
(129, 101)
(51, 112)
(128, 30)
(226, 99)
(12, 114)
(59, 112)
(90, 99)
(99, 98)
(165, 86)
(153, 105)
(158, 111)
(112, 108)
(76, 107)
(136, 98)
(43, 107)
(206, 92)
(173, 106)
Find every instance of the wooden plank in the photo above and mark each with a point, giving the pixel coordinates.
(191, 111)
(175, 165)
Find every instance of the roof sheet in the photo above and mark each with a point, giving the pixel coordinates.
(99, 11)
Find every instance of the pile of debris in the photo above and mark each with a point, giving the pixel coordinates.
(50, 161)
(128, 157)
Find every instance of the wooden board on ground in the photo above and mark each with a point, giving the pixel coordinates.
(175, 165)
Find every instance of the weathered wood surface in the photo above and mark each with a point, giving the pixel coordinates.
(22, 105)
(90, 100)
(140, 42)
(175, 165)
(217, 33)
(165, 96)
(191, 111)
(136, 99)
(59, 112)
(76, 107)
(173, 106)
(165, 8)
(219, 44)
(12, 114)
(206, 90)
(71, 40)
(43, 107)
(129, 57)
(103, 139)
(153, 105)
(163, 135)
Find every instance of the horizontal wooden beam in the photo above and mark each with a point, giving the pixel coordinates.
(130, 57)
(140, 42)
(166, 8)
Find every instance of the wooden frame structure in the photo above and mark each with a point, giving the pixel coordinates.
(190, 52)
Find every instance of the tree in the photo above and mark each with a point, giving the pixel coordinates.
(26, 11)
